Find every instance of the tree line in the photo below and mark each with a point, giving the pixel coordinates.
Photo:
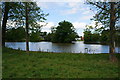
(64, 33)
(101, 37)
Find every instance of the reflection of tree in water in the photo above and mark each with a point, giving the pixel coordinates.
(62, 47)
(11, 44)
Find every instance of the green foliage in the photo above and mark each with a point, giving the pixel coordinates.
(91, 37)
(35, 37)
(35, 14)
(65, 33)
(17, 17)
(104, 37)
(15, 34)
(43, 35)
(118, 37)
(49, 37)
(17, 13)
(87, 36)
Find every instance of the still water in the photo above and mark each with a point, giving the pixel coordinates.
(76, 47)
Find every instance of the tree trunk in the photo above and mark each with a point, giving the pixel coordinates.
(112, 31)
(27, 34)
(4, 22)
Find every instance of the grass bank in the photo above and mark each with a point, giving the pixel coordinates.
(18, 64)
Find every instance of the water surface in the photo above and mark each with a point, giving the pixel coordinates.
(76, 47)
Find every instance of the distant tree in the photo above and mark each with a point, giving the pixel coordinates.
(11, 34)
(49, 37)
(43, 34)
(96, 37)
(118, 36)
(91, 35)
(104, 39)
(65, 32)
(35, 36)
(53, 29)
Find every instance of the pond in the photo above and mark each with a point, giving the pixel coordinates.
(76, 47)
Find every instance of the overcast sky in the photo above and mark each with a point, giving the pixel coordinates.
(77, 13)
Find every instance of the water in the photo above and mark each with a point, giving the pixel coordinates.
(76, 47)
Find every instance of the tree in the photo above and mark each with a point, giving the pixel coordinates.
(104, 39)
(118, 36)
(5, 18)
(35, 37)
(50, 36)
(91, 35)
(11, 34)
(10, 10)
(108, 14)
(65, 32)
(27, 24)
(32, 15)
(19, 13)
(87, 36)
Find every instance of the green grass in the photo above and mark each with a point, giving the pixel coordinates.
(18, 64)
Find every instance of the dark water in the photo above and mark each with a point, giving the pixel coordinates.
(76, 47)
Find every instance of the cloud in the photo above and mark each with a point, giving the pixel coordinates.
(60, 0)
(86, 12)
(79, 25)
(66, 7)
(50, 5)
(42, 4)
(47, 26)
(71, 11)
(93, 24)
(77, 7)
(73, 4)
(72, 8)
(46, 30)
(87, 17)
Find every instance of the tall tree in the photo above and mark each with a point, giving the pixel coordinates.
(4, 22)
(10, 11)
(0, 26)
(33, 15)
(19, 12)
(27, 34)
(108, 13)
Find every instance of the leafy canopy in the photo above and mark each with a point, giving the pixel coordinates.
(65, 32)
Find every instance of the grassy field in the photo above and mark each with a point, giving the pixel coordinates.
(18, 64)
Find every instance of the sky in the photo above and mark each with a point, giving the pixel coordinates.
(78, 13)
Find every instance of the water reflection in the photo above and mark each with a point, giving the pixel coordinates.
(76, 47)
